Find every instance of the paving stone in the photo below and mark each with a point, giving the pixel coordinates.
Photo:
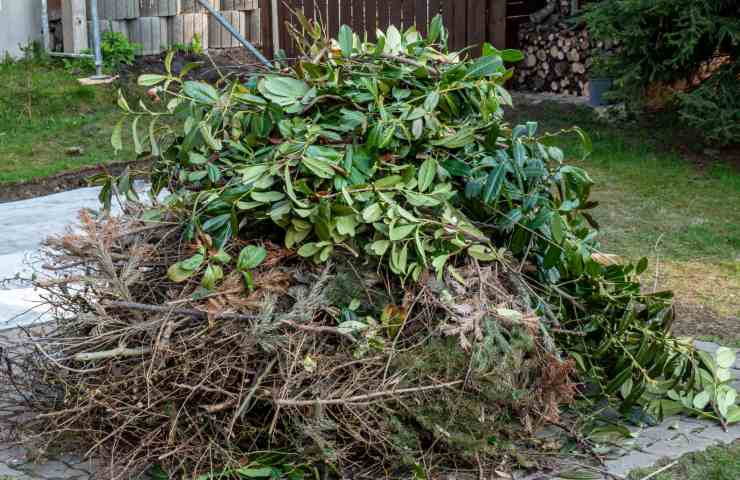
(626, 464)
(673, 438)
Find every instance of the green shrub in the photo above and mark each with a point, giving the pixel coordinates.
(714, 107)
(117, 50)
(666, 41)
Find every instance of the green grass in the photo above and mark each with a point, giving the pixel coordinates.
(718, 463)
(656, 202)
(43, 112)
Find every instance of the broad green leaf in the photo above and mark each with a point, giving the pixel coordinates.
(138, 148)
(725, 357)
(436, 28)
(346, 40)
(264, 472)
(181, 271)
(392, 41)
(212, 276)
(626, 388)
(253, 173)
(725, 400)
(115, 138)
(701, 400)
(346, 225)
(309, 249)
(319, 167)
(195, 158)
(372, 213)
(149, 80)
(212, 142)
(427, 173)
(459, 139)
(438, 262)
(485, 67)
(557, 228)
(214, 174)
(379, 247)
(267, 197)
(352, 326)
(419, 200)
(511, 56)
(431, 102)
(251, 257)
(494, 184)
(483, 253)
(201, 92)
(733, 415)
(399, 232)
(641, 266)
(222, 257)
(284, 91)
(389, 181)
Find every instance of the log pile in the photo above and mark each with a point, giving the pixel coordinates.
(557, 52)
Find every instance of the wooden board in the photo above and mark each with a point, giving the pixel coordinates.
(228, 5)
(193, 6)
(184, 28)
(116, 9)
(151, 33)
(497, 23)
(219, 37)
(74, 26)
(158, 8)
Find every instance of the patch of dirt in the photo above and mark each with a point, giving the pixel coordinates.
(226, 62)
(696, 321)
(64, 181)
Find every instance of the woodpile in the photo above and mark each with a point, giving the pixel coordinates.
(557, 53)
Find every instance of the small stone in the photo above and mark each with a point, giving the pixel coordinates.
(74, 151)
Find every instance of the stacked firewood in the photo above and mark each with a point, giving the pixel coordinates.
(557, 51)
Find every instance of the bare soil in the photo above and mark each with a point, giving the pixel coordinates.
(64, 181)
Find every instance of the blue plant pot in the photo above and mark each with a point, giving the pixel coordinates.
(597, 87)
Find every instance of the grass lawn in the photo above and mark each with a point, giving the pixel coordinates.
(656, 202)
(43, 112)
(718, 463)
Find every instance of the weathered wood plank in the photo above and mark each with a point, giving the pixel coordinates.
(74, 26)
(476, 21)
(497, 23)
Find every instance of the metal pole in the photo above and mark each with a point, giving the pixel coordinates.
(96, 39)
(234, 32)
(45, 25)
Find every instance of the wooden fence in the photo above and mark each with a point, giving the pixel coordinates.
(469, 22)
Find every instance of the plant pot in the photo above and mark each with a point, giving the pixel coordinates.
(597, 87)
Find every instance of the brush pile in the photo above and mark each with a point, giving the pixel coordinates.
(360, 269)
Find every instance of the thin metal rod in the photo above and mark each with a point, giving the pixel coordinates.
(45, 25)
(235, 33)
(96, 39)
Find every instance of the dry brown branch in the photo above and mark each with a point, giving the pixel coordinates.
(364, 399)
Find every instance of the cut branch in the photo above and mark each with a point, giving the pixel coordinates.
(365, 398)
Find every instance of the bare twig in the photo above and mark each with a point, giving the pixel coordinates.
(364, 398)
(120, 352)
